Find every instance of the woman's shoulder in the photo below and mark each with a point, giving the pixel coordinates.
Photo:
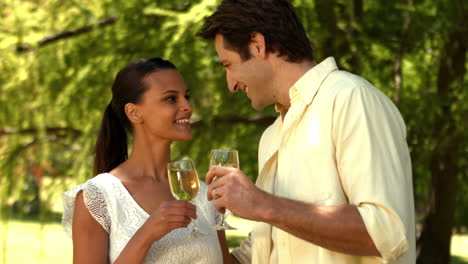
(96, 197)
(98, 184)
(102, 178)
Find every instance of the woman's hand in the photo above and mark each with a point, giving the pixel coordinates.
(169, 216)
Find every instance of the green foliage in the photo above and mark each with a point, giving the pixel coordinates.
(52, 95)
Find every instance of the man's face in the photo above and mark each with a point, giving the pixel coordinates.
(250, 76)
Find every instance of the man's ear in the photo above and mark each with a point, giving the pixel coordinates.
(257, 45)
(131, 110)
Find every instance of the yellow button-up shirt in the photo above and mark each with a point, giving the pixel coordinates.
(342, 141)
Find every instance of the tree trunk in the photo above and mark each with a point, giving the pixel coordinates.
(434, 242)
(327, 18)
(336, 42)
(398, 63)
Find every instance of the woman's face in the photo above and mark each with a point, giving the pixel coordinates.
(165, 109)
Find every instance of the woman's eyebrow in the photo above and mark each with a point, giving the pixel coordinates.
(175, 91)
(170, 91)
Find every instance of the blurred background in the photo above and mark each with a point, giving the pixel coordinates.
(58, 60)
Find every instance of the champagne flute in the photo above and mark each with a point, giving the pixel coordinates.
(226, 158)
(184, 184)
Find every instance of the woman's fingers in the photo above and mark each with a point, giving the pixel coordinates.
(178, 208)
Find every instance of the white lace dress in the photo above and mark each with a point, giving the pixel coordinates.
(114, 208)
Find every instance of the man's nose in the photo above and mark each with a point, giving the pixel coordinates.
(233, 85)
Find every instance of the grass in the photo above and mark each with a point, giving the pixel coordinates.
(29, 241)
(32, 242)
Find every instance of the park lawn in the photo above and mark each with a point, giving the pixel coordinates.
(23, 241)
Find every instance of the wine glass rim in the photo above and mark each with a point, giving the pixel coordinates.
(226, 150)
(181, 160)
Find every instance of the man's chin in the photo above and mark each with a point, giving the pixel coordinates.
(257, 106)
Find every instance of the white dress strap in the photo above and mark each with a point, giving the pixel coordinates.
(95, 199)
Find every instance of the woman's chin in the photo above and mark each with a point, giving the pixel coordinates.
(183, 138)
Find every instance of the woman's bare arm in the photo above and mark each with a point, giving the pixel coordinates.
(90, 240)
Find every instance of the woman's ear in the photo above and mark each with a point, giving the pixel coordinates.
(257, 45)
(131, 110)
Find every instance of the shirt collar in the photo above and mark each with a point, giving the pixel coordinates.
(307, 86)
(281, 109)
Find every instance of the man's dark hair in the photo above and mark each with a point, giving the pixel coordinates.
(276, 20)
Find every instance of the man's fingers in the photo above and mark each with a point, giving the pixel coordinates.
(217, 192)
(219, 206)
(217, 171)
(214, 185)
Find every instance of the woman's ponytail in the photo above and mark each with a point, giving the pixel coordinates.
(111, 145)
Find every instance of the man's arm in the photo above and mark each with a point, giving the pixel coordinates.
(338, 228)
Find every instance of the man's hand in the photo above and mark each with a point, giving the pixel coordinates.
(232, 189)
(336, 227)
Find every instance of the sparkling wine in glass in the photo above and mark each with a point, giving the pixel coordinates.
(226, 158)
(184, 184)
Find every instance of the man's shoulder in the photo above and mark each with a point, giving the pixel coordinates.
(343, 83)
(346, 80)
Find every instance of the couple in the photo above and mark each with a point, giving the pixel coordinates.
(334, 183)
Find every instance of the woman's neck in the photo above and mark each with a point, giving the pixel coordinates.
(149, 158)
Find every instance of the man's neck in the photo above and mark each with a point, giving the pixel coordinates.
(286, 75)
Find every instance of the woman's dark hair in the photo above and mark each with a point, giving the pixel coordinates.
(129, 87)
(276, 20)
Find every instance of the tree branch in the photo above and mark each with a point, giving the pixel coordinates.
(255, 119)
(68, 34)
(56, 131)
(63, 131)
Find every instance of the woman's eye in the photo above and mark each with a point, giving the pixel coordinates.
(171, 99)
(188, 96)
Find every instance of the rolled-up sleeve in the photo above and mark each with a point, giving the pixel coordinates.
(386, 230)
(375, 167)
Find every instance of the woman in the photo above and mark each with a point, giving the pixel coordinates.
(126, 214)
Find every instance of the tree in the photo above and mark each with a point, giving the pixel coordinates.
(58, 60)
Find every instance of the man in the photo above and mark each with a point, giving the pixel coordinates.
(334, 183)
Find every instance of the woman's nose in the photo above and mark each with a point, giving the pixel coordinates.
(187, 107)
